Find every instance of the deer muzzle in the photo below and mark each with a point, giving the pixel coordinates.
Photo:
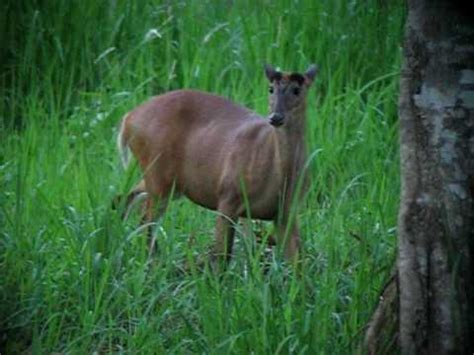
(276, 119)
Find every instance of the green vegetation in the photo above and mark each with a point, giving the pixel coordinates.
(75, 279)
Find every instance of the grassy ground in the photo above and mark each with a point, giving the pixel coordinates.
(75, 279)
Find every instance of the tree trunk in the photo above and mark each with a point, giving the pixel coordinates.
(436, 221)
(436, 218)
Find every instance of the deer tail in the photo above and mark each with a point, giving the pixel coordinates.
(122, 143)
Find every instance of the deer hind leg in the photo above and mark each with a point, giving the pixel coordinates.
(136, 196)
(155, 207)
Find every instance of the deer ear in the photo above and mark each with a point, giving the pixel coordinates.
(270, 72)
(311, 73)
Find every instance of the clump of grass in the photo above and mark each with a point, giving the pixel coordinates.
(74, 278)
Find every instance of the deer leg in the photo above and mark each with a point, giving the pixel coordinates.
(288, 235)
(126, 204)
(156, 203)
(138, 195)
(225, 230)
(287, 230)
(247, 227)
(154, 210)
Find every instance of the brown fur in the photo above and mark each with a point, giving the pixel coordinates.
(207, 148)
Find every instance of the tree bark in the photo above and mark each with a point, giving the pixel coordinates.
(432, 289)
(436, 219)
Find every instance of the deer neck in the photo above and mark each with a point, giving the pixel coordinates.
(294, 131)
(292, 143)
(296, 122)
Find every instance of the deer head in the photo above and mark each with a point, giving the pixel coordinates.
(288, 94)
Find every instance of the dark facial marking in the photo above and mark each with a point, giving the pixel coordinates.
(297, 77)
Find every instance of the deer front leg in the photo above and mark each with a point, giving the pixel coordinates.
(224, 234)
(288, 236)
(287, 230)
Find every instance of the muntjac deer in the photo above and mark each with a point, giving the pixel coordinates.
(223, 156)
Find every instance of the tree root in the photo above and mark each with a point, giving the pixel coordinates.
(381, 336)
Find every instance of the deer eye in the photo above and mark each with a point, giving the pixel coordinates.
(296, 91)
(270, 89)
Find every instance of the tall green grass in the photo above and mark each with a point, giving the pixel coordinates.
(75, 279)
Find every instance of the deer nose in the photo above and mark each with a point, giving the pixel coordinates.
(276, 119)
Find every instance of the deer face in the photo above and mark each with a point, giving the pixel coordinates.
(287, 93)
